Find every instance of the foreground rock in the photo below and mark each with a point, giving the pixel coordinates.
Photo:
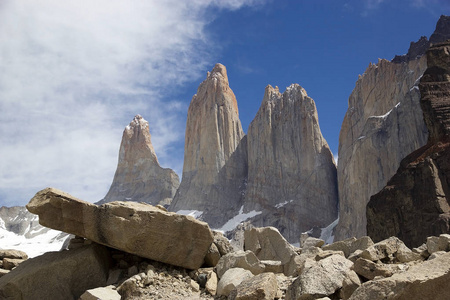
(136, 228)
(138, 176)
(428, 280)
(57, 275)
(414, 204)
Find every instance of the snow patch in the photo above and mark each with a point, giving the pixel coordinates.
(279, 205)
(239, 218)
(386, 114)
(327, 233)
(193, 213)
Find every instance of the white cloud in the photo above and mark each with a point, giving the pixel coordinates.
(74, 73)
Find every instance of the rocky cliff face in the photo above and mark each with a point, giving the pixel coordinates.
(139, 176)
(214, 158)
(291, 172)
(416, 201)
(382, 125)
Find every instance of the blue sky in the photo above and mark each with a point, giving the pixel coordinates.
(74, 73)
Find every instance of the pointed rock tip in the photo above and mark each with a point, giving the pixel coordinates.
(219, 69)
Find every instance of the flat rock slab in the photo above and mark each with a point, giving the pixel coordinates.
(136, 228)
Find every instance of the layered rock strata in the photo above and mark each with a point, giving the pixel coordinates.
(291, 171)
(215, 153)
(416, 201)
(139, 177)
(381, 127)
(136, 228)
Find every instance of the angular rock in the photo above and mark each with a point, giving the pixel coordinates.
(260, 287)
(11, 263)
(327, 253)
(298, 264)
(211, 283)
(414, 204)
(57, 275)
(369, 270)
(246, 260)
(433, 244)
(139, 177)
(350, 245)
(272, 266)
(101, 293)
(444, 242)
(383, 250)
(11, 253)
(321, 280)
(268, 244)
(436, 254)
(136, 228)
(212, 256)
(215, 164)
(231, 279)
(312, 242)
(349, 285)
(222, 243)
(291, 171)
(425, 281)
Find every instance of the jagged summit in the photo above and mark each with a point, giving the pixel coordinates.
(139, 177)
(218, 70)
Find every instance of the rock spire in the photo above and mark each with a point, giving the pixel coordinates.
(139, 177)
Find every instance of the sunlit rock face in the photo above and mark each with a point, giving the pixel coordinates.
(291, 171)
(139, 177)
(214, 167)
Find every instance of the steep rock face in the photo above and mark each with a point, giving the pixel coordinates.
(139, 176)
(291, 171)
(416, 201)
(214, 167)
(382, 125)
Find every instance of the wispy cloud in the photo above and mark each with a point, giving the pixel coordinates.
(74, 73)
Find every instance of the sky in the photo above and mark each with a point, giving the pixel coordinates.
(73, 74)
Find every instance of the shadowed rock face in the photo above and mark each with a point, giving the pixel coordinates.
(291, 171)
(215, 153)
(416, 201)
(139, 176)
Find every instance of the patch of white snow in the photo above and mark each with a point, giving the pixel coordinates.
(236, 220)
(193, 213)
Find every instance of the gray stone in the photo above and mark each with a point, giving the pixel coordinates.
(57, 275)
(101, 293)
(273, 266)
(312, 242)
(260, 287)
(211, 283)
(231, 279)
(268, 244)
(444, 242)
(246, 260)
(349, 285)
(212, 256)
(433, 244)
(369, 270)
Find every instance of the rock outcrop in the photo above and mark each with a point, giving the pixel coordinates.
(291, 171)
(136, 228)
(416, 201)
(139, 176)
(214, 169)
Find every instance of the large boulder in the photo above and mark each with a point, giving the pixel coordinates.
(260, 287)
(246, 260)
(268, 244)
(426, 281)
(320, 280)
(57, 275)
(231, 279)
(136, 228)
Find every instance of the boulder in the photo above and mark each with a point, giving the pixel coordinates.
(321, 280)
(268, 244)
(57, 275)
(273, 266)
(297, 265)
(433, 244)
(246, 260)
(231, 279)
(425, 281)
(383, 250)
(312, 242)
(260, 287)
(369, 270)
(222, 243)
(212, 256)
(327, 253)
(11, 253)
(349, 285)
(444, 242)
(101, 293)
(350, 245)
(136, 228)
(211, 283)
(11, 263)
